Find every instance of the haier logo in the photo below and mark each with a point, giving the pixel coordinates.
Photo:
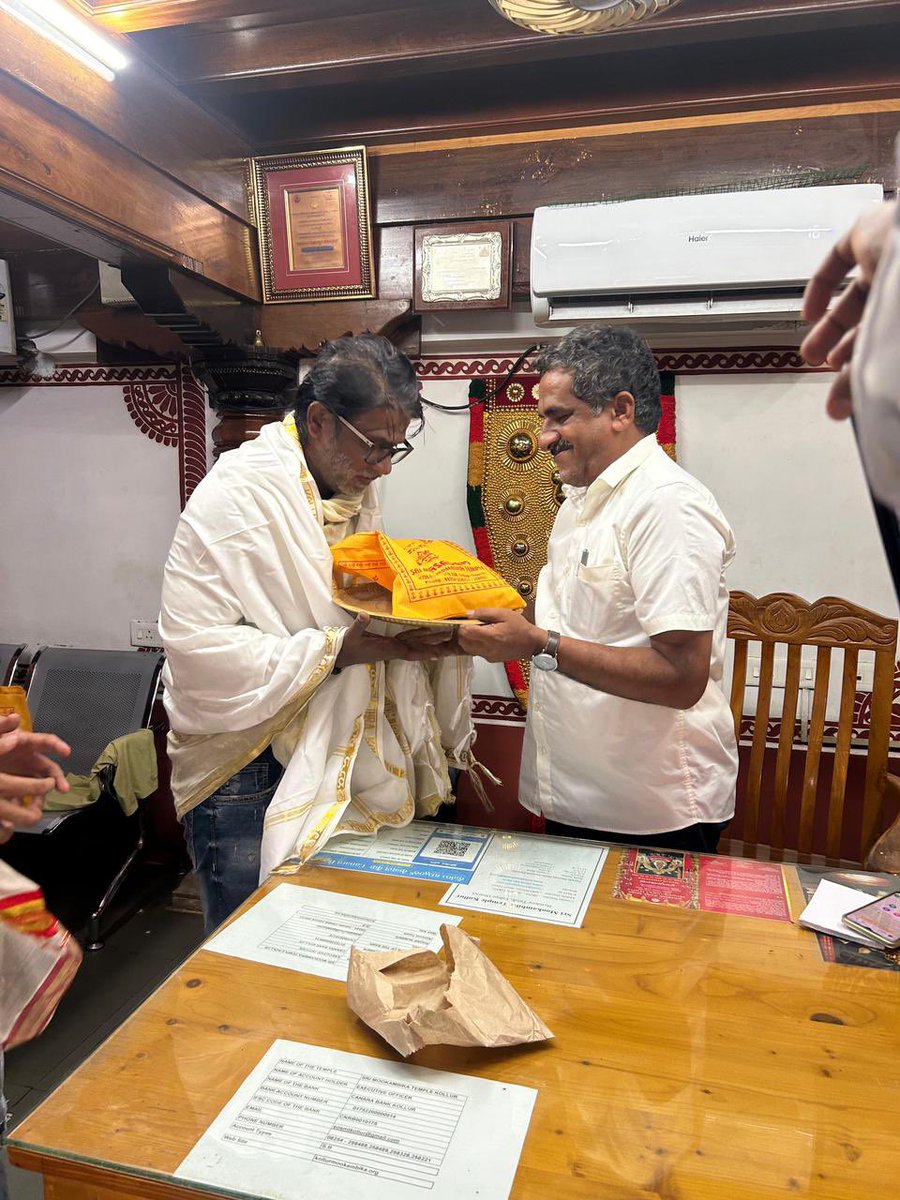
(698, 237)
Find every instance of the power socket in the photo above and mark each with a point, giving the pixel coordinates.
(145, 633)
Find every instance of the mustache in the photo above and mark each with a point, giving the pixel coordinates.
(560, 445)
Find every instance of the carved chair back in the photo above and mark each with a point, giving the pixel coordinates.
(830, 625)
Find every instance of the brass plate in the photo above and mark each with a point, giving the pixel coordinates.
(376, 602)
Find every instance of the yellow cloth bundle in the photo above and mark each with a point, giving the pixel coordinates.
(428, 580)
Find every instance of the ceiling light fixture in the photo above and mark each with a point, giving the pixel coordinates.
(58, 24)
(578, 16)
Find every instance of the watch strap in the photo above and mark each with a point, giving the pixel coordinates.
(552, 646)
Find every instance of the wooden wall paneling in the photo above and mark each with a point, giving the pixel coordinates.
(305, 327)
(484, 177)
(395, 258)
(140, 110)
(56, 161)
(583, 88)
(521, 264)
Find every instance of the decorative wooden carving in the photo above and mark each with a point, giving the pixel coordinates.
(790, 823)
(248, 387)
(831, 621)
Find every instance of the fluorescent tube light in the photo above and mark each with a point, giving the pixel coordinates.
(58, 24)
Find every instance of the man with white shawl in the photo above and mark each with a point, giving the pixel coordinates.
(263, 669)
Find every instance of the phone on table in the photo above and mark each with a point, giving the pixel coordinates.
(880, 920)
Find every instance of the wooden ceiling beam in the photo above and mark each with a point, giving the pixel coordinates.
(55, 163)
(132, 16)
(652, 84)
(140, 110)
(406, 38)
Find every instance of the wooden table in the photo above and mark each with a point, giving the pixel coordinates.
(696, 1055)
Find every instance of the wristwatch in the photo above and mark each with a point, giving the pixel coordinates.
(547, 660)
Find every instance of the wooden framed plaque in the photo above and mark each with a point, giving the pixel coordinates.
(315, 237)
(463, 266)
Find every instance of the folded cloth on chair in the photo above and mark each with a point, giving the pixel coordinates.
(133, 759)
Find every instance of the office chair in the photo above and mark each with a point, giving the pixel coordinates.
(88, 698)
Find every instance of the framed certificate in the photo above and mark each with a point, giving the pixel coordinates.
(312, 214)
(463, 266)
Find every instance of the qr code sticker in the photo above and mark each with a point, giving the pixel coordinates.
(448, 849)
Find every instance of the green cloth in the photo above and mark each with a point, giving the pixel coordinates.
(133, 759)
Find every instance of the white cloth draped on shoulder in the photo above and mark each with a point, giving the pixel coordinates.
(251, 636)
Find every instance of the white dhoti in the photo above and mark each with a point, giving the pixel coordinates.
(251, 636)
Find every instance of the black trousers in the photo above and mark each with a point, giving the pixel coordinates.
(702, 838)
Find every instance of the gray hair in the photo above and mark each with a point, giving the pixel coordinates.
(352, 375)
(604, 360)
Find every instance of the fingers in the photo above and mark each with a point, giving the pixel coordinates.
(46, 743)
(14, 815)
(820, 289)
(52, 770)
(835, 324)
(19, 787)
(839, 404)
(491, 616)
(22, 744)
(9, 722)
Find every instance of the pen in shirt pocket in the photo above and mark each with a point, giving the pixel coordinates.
(584, 557)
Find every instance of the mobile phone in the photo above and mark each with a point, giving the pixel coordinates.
(880, 920)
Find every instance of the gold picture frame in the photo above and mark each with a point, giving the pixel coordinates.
(314, 225)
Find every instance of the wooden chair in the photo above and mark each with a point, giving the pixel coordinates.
(828, 624)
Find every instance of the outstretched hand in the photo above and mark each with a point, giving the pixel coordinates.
(360, 646)
(503, 635)
(834, 331)
(26, 774)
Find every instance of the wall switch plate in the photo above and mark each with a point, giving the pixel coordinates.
(145, 633)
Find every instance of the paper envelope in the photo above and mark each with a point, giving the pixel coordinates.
(414, 998)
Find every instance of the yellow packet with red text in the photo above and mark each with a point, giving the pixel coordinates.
(428, 580)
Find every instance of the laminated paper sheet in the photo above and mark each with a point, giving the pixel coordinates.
(315, 1124)
(538, 878)
(310, 930)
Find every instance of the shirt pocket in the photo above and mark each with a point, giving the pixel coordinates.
(598, 599)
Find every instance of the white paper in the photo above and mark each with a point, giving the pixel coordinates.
(538, 878)
(310, 930)
(315, 1124)
(829, 904)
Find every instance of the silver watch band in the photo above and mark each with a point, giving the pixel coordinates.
(552, 647)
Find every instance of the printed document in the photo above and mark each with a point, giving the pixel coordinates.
(538, 878)
(311, 930)
(316, 1124)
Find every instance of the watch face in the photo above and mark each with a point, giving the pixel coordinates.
(545, 662)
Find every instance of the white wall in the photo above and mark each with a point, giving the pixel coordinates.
(90, 505)
(789, 480)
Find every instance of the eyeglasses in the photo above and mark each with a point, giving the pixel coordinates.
(378, 453)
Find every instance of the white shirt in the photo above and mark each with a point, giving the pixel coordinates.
(640, 552)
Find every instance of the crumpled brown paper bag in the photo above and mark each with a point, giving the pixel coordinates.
(414, 998)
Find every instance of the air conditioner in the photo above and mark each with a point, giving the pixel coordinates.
(740, 258)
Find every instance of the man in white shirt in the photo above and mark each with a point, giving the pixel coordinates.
(629, 735)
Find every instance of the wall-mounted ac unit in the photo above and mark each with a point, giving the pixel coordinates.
(741, 258)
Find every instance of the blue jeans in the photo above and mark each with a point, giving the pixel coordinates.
(224, 837)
